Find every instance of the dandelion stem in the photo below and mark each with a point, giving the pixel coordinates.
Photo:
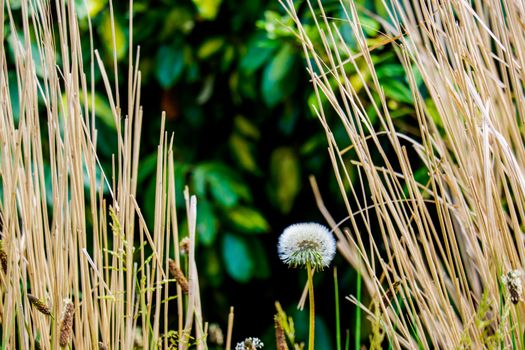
(337, 317)
(312, 306)
(358, 314)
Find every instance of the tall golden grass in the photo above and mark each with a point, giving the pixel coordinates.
(87, 258)
(81, 269)
(431, 254)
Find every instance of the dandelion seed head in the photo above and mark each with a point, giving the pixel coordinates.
(184, 245)
(215, 334)
(250, 344)
(304, 243)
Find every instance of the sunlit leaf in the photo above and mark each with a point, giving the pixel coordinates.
(178, 19)
(247, 220)
(89, 7)
(285, 178)
(237, 258)
(210, 47)
(106, 33)
(246, 127)
(242, 151)
(228, 57)
(208, 9)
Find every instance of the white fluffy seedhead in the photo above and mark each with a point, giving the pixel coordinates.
(304, 243)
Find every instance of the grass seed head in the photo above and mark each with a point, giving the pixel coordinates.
(280, 339)
(3, 258)
(39, 304)
(66, 325)
(178, 275)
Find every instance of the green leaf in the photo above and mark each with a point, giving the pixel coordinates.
(179, 19)
(207, 223)
(276, 81)
(106, 34)
(247, 220)
(259, 51)
(390, 71)
(228, 57)
(148, 165)
(212, 266)
(246, 127)
(223, 184)
(14, 96)
(210, 47)
(170, 64)
(102, 109)
(433, 112)
(208, 9)
(237, 258)
(370, 26)
(262, 265)
(285, 178)
(242, 150)
(397, 91)
(181, 170)
(89, 7)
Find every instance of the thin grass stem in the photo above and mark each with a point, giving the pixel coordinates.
(357, 342)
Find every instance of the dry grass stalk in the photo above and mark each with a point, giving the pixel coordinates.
(229, 332)
(445, 241)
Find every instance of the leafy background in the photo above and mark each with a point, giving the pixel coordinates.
(230, 77)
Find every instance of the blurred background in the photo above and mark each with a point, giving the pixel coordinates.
(231, 77)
